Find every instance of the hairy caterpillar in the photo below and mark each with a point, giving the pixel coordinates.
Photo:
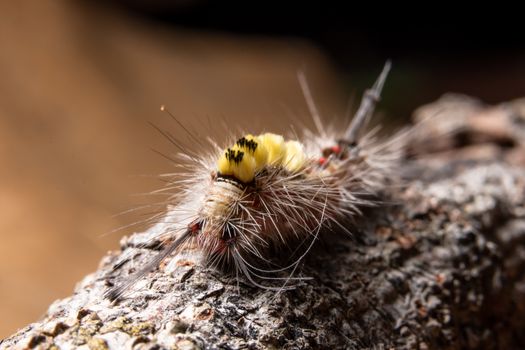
(244, 204)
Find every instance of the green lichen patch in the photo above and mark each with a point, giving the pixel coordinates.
(97, 344)
(128, 326)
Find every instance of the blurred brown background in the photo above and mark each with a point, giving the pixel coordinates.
(80, 81)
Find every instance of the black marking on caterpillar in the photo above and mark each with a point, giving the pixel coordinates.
(234, 156)
(250, 145)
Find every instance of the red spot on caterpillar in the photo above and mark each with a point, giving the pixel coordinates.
(322, 161)
(336, 149)
(195, 228)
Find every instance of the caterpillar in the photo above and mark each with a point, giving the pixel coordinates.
(264, 196)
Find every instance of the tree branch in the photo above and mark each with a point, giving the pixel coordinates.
(442, 269)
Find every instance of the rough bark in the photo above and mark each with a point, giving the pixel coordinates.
(441, 267)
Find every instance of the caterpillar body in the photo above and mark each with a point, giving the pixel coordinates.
(247, 205)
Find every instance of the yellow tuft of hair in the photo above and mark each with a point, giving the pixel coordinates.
(275, 147)
(224, 166)
(237, 163)
(260, 154)
(245, 171)
(251, 154)
(295, 157)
